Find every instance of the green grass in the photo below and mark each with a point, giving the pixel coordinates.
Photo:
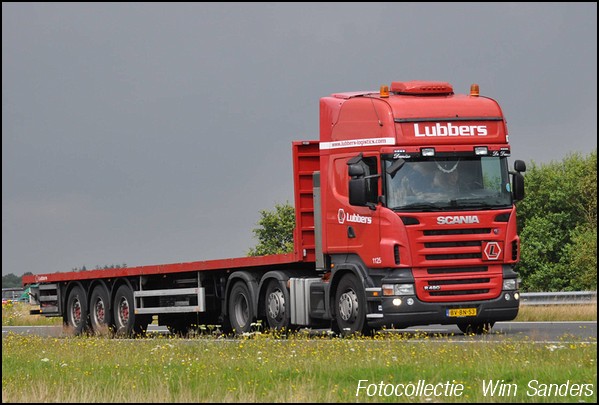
(17, 314)
(295, 369)
(550, 313)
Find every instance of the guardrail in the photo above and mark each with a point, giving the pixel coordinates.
(559, 298)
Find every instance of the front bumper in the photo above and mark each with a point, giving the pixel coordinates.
(385, 311)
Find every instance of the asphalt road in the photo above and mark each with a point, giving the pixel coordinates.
(541, 332)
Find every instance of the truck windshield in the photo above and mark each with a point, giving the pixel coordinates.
(465, 183)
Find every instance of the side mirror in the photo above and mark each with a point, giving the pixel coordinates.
(356, 170)
(358, 192)
(362, 185)
(520, 166)
(518, 185)
(518, 180)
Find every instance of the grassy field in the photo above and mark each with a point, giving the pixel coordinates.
(548, 313)
(17, 314)
(296, 369)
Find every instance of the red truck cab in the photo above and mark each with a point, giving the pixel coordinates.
(419, 206)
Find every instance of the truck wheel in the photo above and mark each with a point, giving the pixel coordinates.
(126, 323)
(477, 328)
(276, 303)
(350, 307)
(99, 314)
(240, 308)
(77, 314)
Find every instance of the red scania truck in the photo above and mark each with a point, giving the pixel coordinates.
(405, 216)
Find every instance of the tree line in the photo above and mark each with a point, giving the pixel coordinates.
(557, 224)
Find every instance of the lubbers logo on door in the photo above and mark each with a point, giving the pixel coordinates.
(343, 217)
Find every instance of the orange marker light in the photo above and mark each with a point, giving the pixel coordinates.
(474, 92)
(384, 91)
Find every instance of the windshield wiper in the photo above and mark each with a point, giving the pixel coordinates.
(468, 203)
(419, 206)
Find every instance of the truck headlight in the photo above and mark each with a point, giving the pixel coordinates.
(398, 289)
(510, 284)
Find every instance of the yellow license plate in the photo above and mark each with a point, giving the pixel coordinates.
(460, 312)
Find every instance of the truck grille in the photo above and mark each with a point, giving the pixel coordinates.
(451, 270)
(457, 286)
(449, 266)
(466, 281)
(470, 231)
(461, 293)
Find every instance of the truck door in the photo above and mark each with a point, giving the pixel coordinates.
(353, 226)
(363, 219)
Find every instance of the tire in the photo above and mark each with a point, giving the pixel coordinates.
(126, 322)
(475, 327)
(100, 316)
(240, 305)
(277, 306)
(350, 307)
(77, 316)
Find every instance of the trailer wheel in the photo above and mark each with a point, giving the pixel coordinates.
(77, 313)
(477, 328)
(99, 313)
(126, 322)
(240, 308)
(276, 301)
(350, 307)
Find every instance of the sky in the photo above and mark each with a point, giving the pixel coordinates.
(153, 133)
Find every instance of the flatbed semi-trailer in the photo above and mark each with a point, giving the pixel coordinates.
(405, 216)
